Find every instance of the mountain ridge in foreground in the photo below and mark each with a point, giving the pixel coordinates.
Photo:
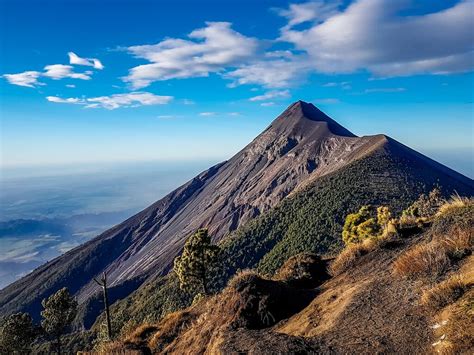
(302, 150)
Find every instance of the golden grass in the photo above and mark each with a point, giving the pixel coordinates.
(171, 327)
(351, 253)
(242, 276)
(434, 258)
(458, 331)
(455, 202)
(140, 334)
(447, 292)
(348, 256)
(422, 260)
(458, 243)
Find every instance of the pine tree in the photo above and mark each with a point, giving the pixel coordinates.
(16, 334)
(383, 216)
(59, 311)
(359, 226)
(195, 265)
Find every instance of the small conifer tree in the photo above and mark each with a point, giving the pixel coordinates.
(359, 226)
(383, 216)
(195, 265)
(366, 223)
(17, 332)
(59, 311)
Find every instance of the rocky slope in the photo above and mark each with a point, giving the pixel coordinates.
(299, 149)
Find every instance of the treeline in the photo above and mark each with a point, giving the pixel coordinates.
(17, 331)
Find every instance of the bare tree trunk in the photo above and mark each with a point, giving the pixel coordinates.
(103, 283)
(59, 344)
(107, 312)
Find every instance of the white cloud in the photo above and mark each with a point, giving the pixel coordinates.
(271, 95)
(275, 73)
(70, 85)
(368, 91)
(91, 62)
(345, 85)
(235, 114)
(327, 101)
(267, 104)
(27, 78)
(207, 114)
(133, 99)
(209, 50)
(126, 100)
(167, 117)
(188, 102)
(71, 100)
(61, 71)
(309, 11)
(55, 72)
(370, 35)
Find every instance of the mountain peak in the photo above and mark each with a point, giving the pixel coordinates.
(303, 117)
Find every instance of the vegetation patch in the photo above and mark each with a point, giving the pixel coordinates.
(447, 292)
(305, 270)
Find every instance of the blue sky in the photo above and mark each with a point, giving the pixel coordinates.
(91, 81)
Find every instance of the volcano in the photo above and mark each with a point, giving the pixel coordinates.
(300, 147)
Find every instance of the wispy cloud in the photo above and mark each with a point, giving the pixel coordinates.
(208, 50)
(55, 71)
(27, 78)
(275, 94)
(328, 101)
(270, 73)
(71, 100)
(207, 114)
(267, 104)
(91, 62)
(345, 85)
(368, 91)
(61, 71)
(310, 11)
(112, 102)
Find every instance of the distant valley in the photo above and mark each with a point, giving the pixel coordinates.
(51, 211)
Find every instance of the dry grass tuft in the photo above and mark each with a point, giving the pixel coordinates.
(457, 333)
(348, 257)
(242, 277)
(458, 243)
(422, 260)
(434, 258)
(140, 334)
(454, 203)
(447, 292)
(170, 328)
(350, 254)
(305, 270)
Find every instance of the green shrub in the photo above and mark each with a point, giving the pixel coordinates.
(16, 334)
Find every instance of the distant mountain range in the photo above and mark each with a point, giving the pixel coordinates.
(278, 196)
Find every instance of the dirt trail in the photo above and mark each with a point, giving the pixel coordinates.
(367, 311)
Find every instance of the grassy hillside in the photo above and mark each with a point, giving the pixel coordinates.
(308, 221)
(408, 292)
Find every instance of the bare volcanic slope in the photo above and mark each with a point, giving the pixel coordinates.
(297, 149)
